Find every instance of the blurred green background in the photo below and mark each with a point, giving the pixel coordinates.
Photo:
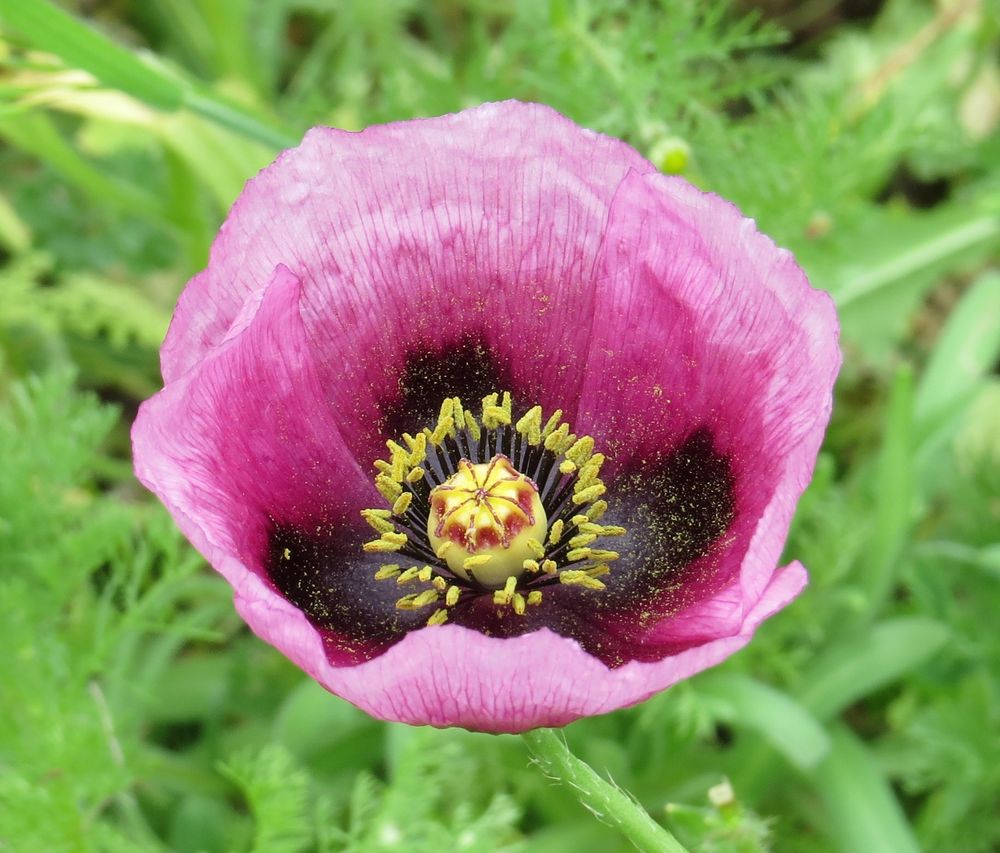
(138, 713)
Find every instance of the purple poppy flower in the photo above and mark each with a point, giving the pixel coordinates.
(603, 392)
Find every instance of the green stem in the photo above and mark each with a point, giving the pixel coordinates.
(606, 800)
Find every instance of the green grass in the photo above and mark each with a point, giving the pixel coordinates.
(137, 711)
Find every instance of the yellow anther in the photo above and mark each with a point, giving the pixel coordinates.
(415, 601)
(590, 493)
(601, 529)
(531, 566)
(595, 511)
(408, 575)
(378, 520)
(457, 412)
(489, 401)
(447, 408)
(443, 549)
(557, 439)
(530, 425)
(472, 425)
(425, 574)
(566, 467)
(580, 578)
(402, 503)
(535, 597)
(589, 471)
(582, 539)
(598, 570)
(470, 563)
(440, 584)
(387, 487)
(444, 428)
(536, 548)
(286, 554)
(578, 554)
(504, 596)
(428, 596)
(438, 617)
(580, 451)
(579, 520)
(382, 466)
(385, 545)
(396, 449)
(416, 475)
(556, 531)
(495, 416)
(418, 449)
(518, 601)
(398, 467)
(451, 597)
(551, 424)
(550, 567)
(390, 570)
(603, 555)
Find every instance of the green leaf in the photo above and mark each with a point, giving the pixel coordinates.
(36, 134)
(955, 241)
(965, 353)
(862, 812)
(870, 659)
(894, 492)
(789, 727)
(47, 26)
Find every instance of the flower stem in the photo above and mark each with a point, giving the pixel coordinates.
(607, 801)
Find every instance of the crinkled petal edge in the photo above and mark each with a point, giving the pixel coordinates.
(452, 676)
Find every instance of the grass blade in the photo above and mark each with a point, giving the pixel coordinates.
(779, 718)
(47, 26)
(869, 659)
(862, 812)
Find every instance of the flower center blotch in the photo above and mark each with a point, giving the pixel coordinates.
(490, 507)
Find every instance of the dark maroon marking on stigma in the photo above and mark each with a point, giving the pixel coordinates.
(468, 369)
(676, 509)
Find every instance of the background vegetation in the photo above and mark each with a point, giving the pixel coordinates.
(136, 711)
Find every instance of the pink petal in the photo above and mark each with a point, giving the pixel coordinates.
(703, 322)
(466, 238)
(247, 437)
(451, 676)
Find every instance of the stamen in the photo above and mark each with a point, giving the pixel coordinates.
(504, 596)
(409, 575)
(580, 578)
(463, 504)
(470, 563)
(417, 600)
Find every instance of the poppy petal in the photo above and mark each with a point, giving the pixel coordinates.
(460, 247)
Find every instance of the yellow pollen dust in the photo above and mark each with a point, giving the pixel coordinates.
(486, 520)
